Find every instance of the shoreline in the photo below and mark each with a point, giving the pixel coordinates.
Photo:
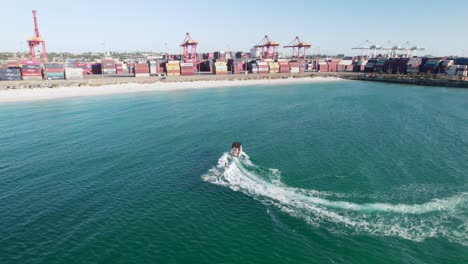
(134, 86)
(18, 91)
(419, 80)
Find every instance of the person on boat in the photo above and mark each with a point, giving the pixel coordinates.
(236, 149)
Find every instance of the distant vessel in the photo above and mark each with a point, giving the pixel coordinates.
(236, 149)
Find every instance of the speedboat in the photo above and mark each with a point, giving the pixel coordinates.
(236, 150)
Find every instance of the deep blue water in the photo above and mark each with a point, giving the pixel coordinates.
(336, 172)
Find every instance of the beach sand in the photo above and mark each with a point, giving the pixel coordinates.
(17, 95)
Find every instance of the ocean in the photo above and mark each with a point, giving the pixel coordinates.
(333, 172)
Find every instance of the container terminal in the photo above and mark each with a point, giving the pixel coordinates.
(262, 59)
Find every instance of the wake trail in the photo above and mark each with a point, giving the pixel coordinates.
(436, 218)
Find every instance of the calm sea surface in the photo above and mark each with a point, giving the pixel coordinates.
(336, 172)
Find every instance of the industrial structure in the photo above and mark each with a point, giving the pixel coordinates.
(388, 49)
(299, 48)
(267, 49)
(387, 58)
(189, 47)
(35, 41)
(371, 49)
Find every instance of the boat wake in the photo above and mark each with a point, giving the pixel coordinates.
(444, 218)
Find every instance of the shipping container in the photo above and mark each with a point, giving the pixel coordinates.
(73, 73)
(461, 61)
(452, 70)
(370, 65)
(10, 74)
(54, 66)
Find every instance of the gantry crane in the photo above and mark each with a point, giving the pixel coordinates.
(369, 47)
(189, 49)
(268, 49)
(35, 41)
(299, 48)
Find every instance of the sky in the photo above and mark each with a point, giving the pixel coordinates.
(331, 26)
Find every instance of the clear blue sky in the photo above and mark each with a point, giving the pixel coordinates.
(332, 26)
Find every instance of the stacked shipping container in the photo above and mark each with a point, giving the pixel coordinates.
(31, 70)
(431, 66)
(156, 67)
(186, 68)
(54, 71)
(294, 67)
(413, 65)
(73, 73)
(13, 63)
(235, 66)
(263, 67)
(274, 67)
(462, 70)
(252, 67)
(10, 74)
(108, 67)
(141, 69)
(119, 68)
(380, 66)
(220, 68)
(370, 65)
(332, 66)
(172, 68)
(82, 65)
(283, 67)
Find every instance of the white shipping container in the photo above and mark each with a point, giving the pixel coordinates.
(462, 70)
(34, 78)
(452, 70)
(186, 64)
(447, 63)
(73, 73)
(346, 62)
(142, 75)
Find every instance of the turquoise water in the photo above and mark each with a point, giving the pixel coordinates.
(337, 172)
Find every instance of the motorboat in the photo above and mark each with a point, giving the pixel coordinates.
(236, 150)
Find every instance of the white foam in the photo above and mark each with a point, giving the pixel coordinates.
(436, 218)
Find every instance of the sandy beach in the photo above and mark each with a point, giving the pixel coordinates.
(17, 95)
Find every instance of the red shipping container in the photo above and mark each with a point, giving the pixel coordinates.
(322, 67)
(54, 70)
(30, 62)
(332, 66)
(31, 74)
(31, 70)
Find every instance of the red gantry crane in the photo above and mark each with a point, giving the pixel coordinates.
(36, 40)
(268, 49)
(189, 49)
(299, 48)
